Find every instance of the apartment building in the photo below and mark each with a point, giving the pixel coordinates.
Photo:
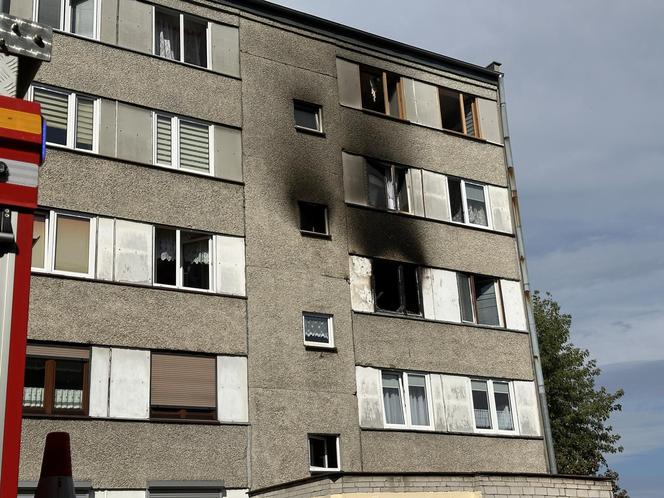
(275, 255)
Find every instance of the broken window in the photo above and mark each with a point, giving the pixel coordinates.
(406, 399)
(183, 386)
(56, 379)
(478, 299)
(317, 329)
(396, 287)
(307, 116)
(182, 258)
(387, 186)
(458, 112)
(323, 452)
(313, 218)
(492, 406)
(467, 202)
(381, 92)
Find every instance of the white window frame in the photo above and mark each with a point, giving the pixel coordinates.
(179, 272)
(175, 143)
(66, 17)
(404, 392)
(50, 243)
(498, 290)
(464, 204)
(325, 438)
(181, 16)
(72, 99)
(492, 409)
(391, 200)
(319, 115)
(330, 329)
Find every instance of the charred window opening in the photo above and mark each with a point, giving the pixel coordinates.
(387, 186)
(396, 287)
(381, 92)
(458, 112)
(313, 218)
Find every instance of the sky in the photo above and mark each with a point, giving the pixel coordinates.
(584, 82)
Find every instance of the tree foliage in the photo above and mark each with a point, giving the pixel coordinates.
(579, 410)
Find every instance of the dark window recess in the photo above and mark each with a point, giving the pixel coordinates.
(465, 298)
(195, 250)
(313, 218)
(469, 115)
(377, 175)
(394, 95)
(323, 452)
(387, 186)
(450, 110)
(165, 259)
(195, 41)
(167, 34)
(487, 306)
(396, 287)
(456, 200)
(400, 185)
(373, 93)
(307, 116)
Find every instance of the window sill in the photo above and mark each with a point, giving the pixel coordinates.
(470, 434)
(309, 131)
(457, 324)
(321, 348)
(423, 218)
(135, 420)
(315, 235)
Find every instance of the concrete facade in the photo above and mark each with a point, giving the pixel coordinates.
(274, 392)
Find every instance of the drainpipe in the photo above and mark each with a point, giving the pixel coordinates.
(534, 343)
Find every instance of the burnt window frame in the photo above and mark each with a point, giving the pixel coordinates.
(401, 282)
(390, 185)
(326, 212)
(464, 100)
(500, 305)
(48, 408)
(387, 78)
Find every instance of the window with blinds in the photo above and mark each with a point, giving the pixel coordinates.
(194, 146)
(183, 386)
(55, 109)
(164, 140)
(84, 123)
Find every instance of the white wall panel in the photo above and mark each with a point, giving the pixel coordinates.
(369, 397)
(100, 371)
(129, 391)
(416, 195)
(355, 178)
(232, 390)
(133, 252)
(225, 45)
(230, 265)
(489, 120)
(105, 248)
(499, 201)
(527, 408)
(458, 403)
(438, 401)
(515, 313)
(428, 104)
(440, 295)
(361, 293)
(348, 79)
(436, 200)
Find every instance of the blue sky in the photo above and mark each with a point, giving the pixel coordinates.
(584, 89)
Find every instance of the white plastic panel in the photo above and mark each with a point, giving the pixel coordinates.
(515, 313)
(232, 390)
(428, 104)
(230, 265)
(348, 79)
(361, 293)
(438, 401)
(105, 248)
(527, 408)
(489, 120)
(355, 178)
(100, 371)
(415, 187)
(135, 25)
(129, 391)
(133, 252)
(107, 127)
(458, 403)
(228, 153)
(369, 397)
(440, 295)
(225, 44)
(436, 203)
(499, 200)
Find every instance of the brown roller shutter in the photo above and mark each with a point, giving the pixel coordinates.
(50, 351)
(183, 381)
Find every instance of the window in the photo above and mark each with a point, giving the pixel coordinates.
(182, 258)
(56, 380)
(468, 202)
(70, 118)
(387, 186)
(313, 218)
(492, 406)
(64, 243)
(381, 92)
(74, 16)
(396, 287)
(323, 453)
(181, 37)
(182, 143)
(183, 386)
(308, 116)
(406, 401)
(478, 297)
(458, 112)
(318, 330)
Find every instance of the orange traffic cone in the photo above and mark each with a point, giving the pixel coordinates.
(55, 480)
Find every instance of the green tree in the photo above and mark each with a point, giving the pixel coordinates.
(579, 410)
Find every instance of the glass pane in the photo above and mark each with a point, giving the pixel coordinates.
(417, 392)
(38, 241)
(487, 307)
(316, 329)
(33, 390)
(83, 17)
(387, 288)
(195, 42)
(476, 204)
(164, 140)
(167, 35)
(465, 297)
(195, 260)
(393, 89)
(481, 405)
(313, 218)
(68, 385)
(317, 452)
(49, 12)
(84, 123)
(411, 290)
(306, 116)
(331, 448)
(392, 400)
(373, 96)
(72, 244)
(450, 108)
(165, 263)
(194, 146)
(456, 201)
(54, 108)
(501, 395)
(377, 181)
(401, 189)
